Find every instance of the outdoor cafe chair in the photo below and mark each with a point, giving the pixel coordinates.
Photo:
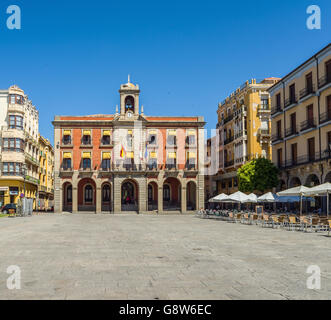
(329, 221)
(292, 222)
(266, 221)
(238, 217)
(254, 218)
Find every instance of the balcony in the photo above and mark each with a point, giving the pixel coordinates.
(304, 159)
(264, 133)
(291, 101)
(263, 108)
(31, 159)
(307, 91)
(325, 117)
(32, 180)
(240, 134)
(228, 140)
(276, 110)
(16, 108)
(276, 137)
(228, 118)
(323, 81)
(291, 131)
(85, 172)
(106, 171)
(228, 164)
(43, 189)
(66, 171)
(308, 124)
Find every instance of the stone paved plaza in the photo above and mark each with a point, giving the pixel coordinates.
(87, 256)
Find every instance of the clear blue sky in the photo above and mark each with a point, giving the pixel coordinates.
(70, 57)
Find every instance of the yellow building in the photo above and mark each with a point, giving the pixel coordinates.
(19, 146)
(244, 130)
(46, 176)
(301, 122)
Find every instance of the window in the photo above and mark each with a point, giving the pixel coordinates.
(292, 93)
(105, 140)
(66, 139)
(16, 99)
(86, 140)
(152, 139)
(66, 164)
(166, 192)
(106, 193)
(12, 168)
(86, 163)
(15, 122)
(88, 194)
(105, 164)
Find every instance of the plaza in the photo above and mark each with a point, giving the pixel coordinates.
(129, 256)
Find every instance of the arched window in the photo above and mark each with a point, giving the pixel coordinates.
(166, 192)
(69, 194)
(88, 195)
(106, 193)
(129, 104)
(150, 192)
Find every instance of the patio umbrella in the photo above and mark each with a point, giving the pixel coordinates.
(220, 198)
(296, 191)
(267, 197)
(238, 197)
(321, 190)
(252, 197)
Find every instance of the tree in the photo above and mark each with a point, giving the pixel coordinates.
(259, 174)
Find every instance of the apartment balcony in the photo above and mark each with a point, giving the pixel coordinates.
(291, 101)
(280, 165)
(263, 109)
(228, 118)
(264, 133)
(32, 180)
(275, 110)
(307, 92)
(304, 159)
(323, 81)
(43, 189)
(106, 171)
(86, 145)
(240, 134)
(325, 117)
(16, 108)
(85, 172)
(277, 137)
(291, 131)
(228, 164)
(31, 160)
(308, 124)
(228, 140)
(66, 171)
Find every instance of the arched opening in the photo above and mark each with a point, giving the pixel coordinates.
(191, 196)
(295, 182)
(152, 196)
(106, 197)
(171, 195)
(129, 196)
(281, 186)
(67, 197)
(86, 195)
(129, 104)
(312, 180)
(328, 177)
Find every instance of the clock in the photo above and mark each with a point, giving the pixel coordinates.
(129, 114)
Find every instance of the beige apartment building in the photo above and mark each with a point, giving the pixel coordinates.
(19, 149)
(244, 130)
(301, 122)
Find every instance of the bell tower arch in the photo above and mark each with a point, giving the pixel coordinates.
(129, 95)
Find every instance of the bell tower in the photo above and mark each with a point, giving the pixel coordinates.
(129, 95)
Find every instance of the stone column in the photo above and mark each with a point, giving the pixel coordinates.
(117, 195)
(183, 199)
(74, 199)
(98, 199)
(160, 199)
(142, 196)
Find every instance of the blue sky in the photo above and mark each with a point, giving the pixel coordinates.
(70, 57)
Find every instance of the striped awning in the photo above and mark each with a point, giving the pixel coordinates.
(153, 155)
(129, 155)
(86, 132)
(106, 132)
(87, 155)
(67, 132)
(67, 155)
(152, 132)
(172, 132)
(106, 155)
(172, 155)
(192, 155)
(130, 132)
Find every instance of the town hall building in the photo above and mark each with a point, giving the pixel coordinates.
(128, 161)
